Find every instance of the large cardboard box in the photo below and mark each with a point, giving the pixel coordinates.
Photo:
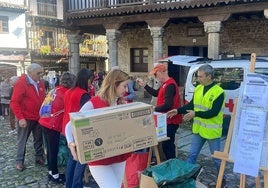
(147, 182)
(160, 120)
(111, 131)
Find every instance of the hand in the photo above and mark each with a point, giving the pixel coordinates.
(72, 147)
(172, 113)
(140, 82)
(190, 115)
(22, 123)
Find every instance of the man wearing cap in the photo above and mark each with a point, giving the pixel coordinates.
(168, 98)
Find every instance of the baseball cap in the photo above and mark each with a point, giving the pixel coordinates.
(158, 68)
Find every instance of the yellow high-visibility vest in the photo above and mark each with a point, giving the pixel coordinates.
(207, 128)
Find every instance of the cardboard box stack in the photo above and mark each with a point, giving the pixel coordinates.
(111, 131)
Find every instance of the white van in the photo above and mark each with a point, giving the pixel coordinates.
(229, 74)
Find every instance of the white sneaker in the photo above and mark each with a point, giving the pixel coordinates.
(12, 132)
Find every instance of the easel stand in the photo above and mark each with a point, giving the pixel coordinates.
(224, 156)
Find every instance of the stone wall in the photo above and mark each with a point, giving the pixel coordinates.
(245, 37)
(134, 38)
(176, 35)
(236, 37)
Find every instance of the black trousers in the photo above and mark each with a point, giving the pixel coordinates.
(52, 139)
(169, 147)
(22, 137)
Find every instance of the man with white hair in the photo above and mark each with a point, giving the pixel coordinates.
(26, 100)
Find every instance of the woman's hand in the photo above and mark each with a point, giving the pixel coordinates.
(72, 147)
(172, 113)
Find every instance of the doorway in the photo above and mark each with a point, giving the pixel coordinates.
(188, 50)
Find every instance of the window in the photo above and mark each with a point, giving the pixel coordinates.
(3, 24)
(227, 78)
(261, 71)
(47, 8)
(47, 38)
(139, 59)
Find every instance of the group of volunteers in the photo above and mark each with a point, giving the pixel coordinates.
(73, 95)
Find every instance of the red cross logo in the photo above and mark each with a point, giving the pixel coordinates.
(230, 105)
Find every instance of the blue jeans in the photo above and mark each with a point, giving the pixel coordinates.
(196, 146)
(74, 173)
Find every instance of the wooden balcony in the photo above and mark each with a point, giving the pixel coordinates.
(95, 16)
(103, 4)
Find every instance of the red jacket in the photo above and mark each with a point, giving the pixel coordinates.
(99, 103)
(55, 121)
(176, 101)
(72, 99)
(25, 101)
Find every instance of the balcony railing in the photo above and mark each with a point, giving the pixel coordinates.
(46, 9)
(101, 4)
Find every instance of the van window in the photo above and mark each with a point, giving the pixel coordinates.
(261, 71)
(227, 78)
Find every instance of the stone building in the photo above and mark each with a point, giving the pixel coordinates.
(48, 40)
(33, 31)
(13, 47)
(139, 32)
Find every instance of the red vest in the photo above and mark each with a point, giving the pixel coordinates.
(72, 99)
(55, 122)
(99, 103)
(176, 101)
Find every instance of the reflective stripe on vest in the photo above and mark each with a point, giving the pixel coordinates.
(201, 107)
(207, 128)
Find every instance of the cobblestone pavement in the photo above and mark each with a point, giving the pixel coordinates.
(35, 176)
(208, 176)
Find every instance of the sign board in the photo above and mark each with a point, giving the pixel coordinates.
(249, 145)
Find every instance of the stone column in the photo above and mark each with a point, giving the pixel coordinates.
(157, 34)
(213, 29)
(112, 37)
(74, 60)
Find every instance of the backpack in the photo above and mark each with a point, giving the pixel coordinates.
(51, 114)
(50, 120)
(46, 107)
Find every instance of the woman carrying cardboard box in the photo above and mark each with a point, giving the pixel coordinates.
(109, 172)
